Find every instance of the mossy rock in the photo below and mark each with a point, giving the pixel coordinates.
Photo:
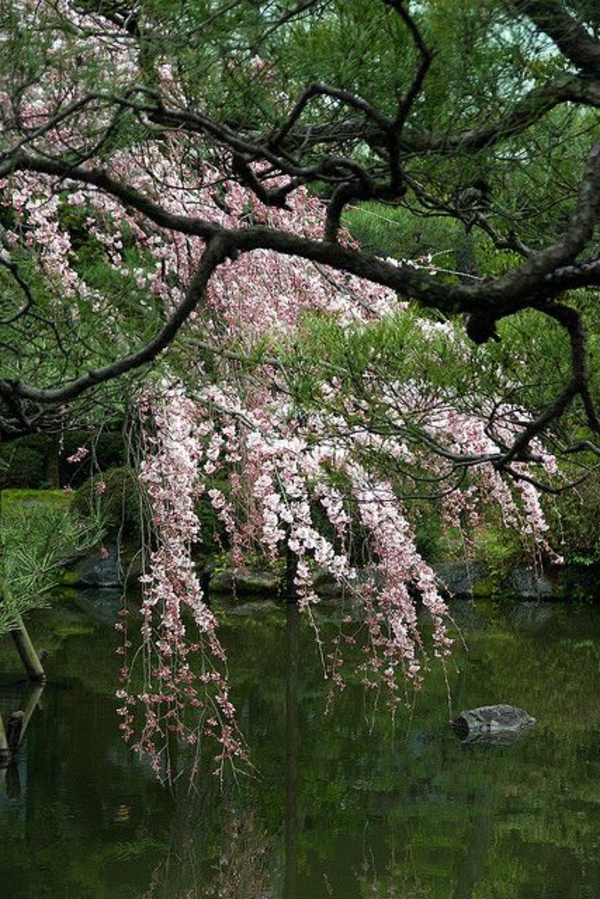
(119, 505)
(67, 578)
(465, 578)
(243, 580)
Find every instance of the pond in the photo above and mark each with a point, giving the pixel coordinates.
(344, 805)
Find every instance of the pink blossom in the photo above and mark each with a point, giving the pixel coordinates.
(79, 455)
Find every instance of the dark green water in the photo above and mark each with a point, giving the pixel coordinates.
(343, 806)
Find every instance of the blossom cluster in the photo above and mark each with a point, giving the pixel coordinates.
(177, 625)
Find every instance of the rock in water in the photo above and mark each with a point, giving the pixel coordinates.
(492, 723)
(244, 580)
(100, 569)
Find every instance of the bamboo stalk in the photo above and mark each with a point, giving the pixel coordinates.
(32, 704)
(14, 730)
(26, 650)
(4, 750)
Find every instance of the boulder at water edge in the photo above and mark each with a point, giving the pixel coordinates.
(493, 723)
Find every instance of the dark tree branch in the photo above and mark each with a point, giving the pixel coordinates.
(285, 18)
(246, 176)
(571, 38)
(216, 252)
(100, 179)
(494, 299)
(291, 152)
(407, 101)
(571, 320)
(526, 112)
(5, 262)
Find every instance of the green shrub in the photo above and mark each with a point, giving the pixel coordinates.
(119, 506)
(21, 467)
(105, 451)
(574, 521)
(500, 547)
(40, 460)
(41, 443)
(428, 534)
(35, 538)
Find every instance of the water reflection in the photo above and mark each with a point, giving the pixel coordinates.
(343, 806)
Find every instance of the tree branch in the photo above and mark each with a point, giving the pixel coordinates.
(216, 252)
(571, 38)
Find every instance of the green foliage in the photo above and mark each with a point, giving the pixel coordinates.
(106, 450)
(21, 467)
(393, 232)
(575, 523)
(15, 500)
(214, 538)
(499, 547)
(40, 460)
(120, 505)
(430, 534)
(35, 539)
